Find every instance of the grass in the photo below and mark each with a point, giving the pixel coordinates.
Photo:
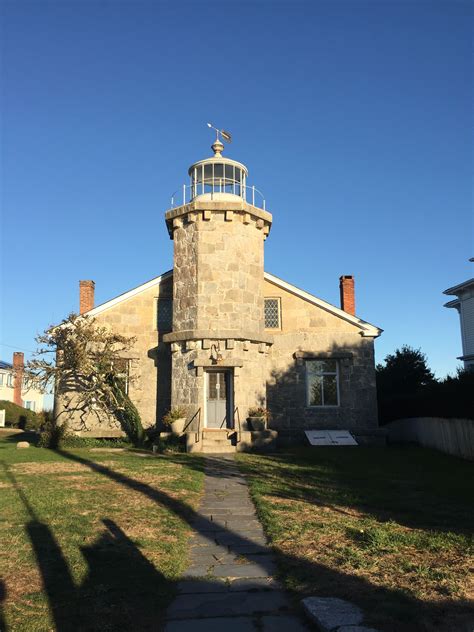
(91, 539)
(389, 529)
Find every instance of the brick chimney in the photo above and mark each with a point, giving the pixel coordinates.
(86, 296)
(18, 370)
(346, 287)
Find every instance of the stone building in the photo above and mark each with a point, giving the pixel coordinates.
(220, 336)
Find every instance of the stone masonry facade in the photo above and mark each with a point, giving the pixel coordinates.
(218, 289)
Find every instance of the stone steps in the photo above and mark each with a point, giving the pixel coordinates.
(217, 442)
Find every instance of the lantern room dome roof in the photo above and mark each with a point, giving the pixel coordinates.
(218, 148)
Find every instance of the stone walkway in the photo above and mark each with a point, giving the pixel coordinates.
(229, 585)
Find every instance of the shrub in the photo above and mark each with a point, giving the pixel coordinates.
(170, 444)
(19, 417)
(52, 434)
(74, 441)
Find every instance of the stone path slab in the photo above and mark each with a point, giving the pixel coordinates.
(230, 583)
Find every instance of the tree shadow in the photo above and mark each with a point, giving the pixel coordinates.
(415, 487)
(124, 591)
(21, 435)
(391, 610)
(121, 591)
(3, 594)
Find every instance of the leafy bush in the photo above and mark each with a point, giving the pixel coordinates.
(74, 441)
(52, 434)
(170, 444)
(19, 417)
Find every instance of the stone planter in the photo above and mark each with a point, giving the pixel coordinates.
(177, 426)
(257, 423)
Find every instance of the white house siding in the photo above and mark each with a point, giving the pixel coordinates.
(467, 323)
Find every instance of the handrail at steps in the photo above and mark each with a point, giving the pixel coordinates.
(198, 415)
(239, 431)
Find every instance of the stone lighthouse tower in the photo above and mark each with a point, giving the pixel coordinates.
(218, 344)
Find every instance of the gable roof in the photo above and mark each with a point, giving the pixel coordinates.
(5, 365)
(367, 330)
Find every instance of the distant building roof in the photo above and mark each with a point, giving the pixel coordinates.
(458, 288)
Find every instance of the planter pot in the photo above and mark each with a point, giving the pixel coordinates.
(177, 427)
(257, 423)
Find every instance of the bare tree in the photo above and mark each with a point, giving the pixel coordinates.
(88, 366)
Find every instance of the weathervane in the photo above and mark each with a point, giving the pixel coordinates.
(224, 135)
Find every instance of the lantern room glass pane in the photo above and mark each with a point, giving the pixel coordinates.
(208, 174)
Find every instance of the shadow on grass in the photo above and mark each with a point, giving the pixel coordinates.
(124, 591)
(390, 609)
(412, 486)
(20, 435)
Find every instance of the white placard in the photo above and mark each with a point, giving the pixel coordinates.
(330, 437)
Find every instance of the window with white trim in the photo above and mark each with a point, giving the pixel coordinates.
(9, 379)
(30, 405)
(164, 314)
(1, 379)
(122, 372)
(272, 309)
(322, 383)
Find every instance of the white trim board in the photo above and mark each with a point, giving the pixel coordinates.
(367, 330)
(126, 295)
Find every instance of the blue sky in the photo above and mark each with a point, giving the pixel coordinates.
(354, 119)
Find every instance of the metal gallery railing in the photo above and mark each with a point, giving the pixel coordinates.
(188, 192)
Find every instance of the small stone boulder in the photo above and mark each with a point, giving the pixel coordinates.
(22, 444)
(330, 613)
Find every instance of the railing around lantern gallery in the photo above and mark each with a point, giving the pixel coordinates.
(216, 186)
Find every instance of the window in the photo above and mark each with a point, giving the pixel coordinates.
(1, 379)
(164, 314)
(30, 405)
(272, 313)
(322, 383)
(9, 379)
(122, 368)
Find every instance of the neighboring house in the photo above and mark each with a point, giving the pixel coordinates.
(464, 303)
(219, 335)
(14, 386)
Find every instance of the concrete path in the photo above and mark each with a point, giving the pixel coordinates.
(229, 585)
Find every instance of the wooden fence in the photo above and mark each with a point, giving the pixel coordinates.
(453, 436)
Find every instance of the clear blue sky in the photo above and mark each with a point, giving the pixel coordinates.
(354, 118)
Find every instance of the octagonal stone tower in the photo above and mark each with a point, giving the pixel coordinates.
(218, 342)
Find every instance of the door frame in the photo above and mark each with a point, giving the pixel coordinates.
(229, 395)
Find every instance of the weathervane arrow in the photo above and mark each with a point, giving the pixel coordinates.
(222, 132)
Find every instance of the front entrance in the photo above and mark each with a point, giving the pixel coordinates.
(219, 395)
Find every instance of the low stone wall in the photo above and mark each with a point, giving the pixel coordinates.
(452, 436)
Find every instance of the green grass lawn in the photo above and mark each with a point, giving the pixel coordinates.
(91, 540)
(389, 529)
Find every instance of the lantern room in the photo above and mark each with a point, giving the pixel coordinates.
(218, 178)
(218, 175)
